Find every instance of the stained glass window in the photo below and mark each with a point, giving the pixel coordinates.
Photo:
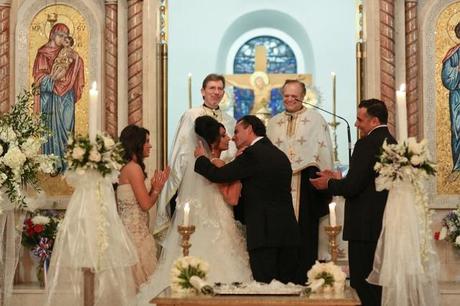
(280, 59)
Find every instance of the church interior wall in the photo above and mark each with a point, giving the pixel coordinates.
(331, 37)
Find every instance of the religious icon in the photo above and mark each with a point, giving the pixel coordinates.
(59, 75)
(451, 80)
(447, 50)
(58, 54)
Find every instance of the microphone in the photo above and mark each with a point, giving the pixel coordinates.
(335, 115)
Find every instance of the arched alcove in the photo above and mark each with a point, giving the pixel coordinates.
(252, 23)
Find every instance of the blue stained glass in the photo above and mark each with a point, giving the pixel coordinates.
(280, 59)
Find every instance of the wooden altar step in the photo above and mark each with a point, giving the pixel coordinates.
(30, 294)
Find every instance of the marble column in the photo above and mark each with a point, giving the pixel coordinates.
(111, 67)
(135, 61)
(387, 59)
(412, 67)
(4, 55)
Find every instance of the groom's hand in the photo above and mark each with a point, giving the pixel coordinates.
(199, 150)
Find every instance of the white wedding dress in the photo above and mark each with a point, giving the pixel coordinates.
(216, 239)
(92, 237)
(405, 262)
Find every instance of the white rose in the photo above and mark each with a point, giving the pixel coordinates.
(1, 150)
(40, 220)
(457, 240)
(414, 147)
(94, 155)
(3, 177)
(78, 153)
(31, 147)
(14, 158)
(7, 134)
(46, 166)
(416, 160)
(108, 142)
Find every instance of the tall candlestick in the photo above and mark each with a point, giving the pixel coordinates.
(189, 90)
(332, 216)
(333, 96)
(92, 109)
(186, 214)
(401, 113)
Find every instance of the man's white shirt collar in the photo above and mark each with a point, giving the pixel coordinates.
(256, 140)
(378, 126)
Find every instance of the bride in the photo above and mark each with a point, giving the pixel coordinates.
(217, 239)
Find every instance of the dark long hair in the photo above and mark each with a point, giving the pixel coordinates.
(133, 139)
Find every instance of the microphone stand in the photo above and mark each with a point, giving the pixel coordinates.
(335, 115)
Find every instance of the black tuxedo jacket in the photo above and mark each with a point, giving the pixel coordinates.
(265, 173)
(364, 205)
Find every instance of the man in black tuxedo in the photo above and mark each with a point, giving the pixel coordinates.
(265, 173)
(364, 205)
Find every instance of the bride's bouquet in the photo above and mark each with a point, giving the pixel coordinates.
(188, 275)
(22, 133)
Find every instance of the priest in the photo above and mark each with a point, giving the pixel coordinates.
(303, 135)
(182, 159)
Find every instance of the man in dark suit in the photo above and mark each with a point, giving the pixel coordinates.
(364, 205)
(265, 173)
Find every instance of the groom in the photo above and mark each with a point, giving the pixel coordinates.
(265, 173)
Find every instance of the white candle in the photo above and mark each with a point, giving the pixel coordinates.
(189, 90)
(332, 216)
(186, 214)
(401, 113)
(92, 109)
(333, 96)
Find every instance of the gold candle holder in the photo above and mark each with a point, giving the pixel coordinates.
(332, 232)
(186, 232)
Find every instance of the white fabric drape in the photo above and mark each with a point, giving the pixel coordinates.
(10, 244)
(92, 236)
(405, 263)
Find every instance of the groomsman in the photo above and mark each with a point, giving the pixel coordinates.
(265, 173)
(364, 205)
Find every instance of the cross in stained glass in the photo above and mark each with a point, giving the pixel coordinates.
(261, 82)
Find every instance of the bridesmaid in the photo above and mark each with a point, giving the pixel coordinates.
(136, 195)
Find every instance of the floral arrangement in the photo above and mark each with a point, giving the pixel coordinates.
(39, 234)
(326, 277)
(407, 160)
(188, 275)
(105, 155)
(450, 230)
(22, 132)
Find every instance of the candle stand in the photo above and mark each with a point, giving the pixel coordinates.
(186, 232)
(332, 232)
